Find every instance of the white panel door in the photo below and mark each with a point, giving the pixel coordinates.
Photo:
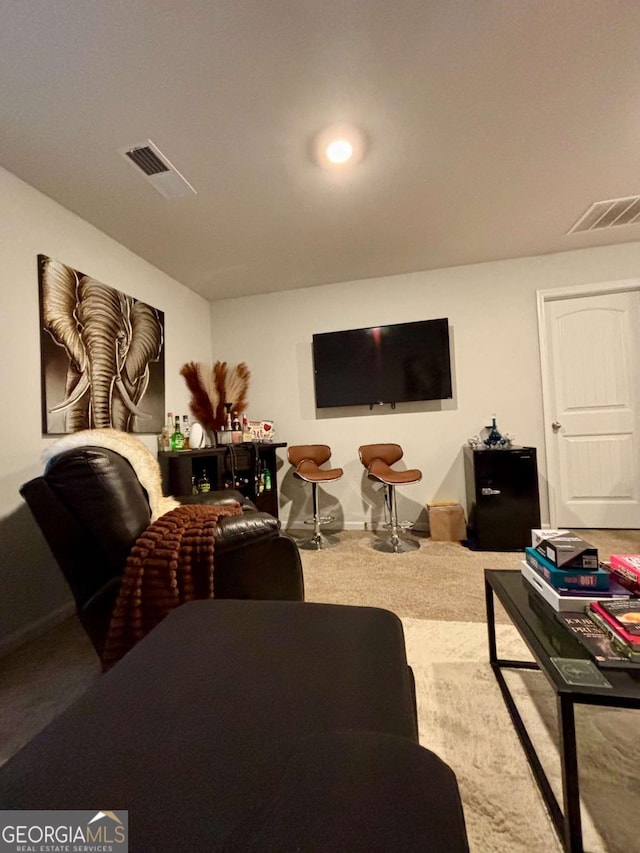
(593, 363)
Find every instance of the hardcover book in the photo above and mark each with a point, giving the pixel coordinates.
(606, 655)
(626, 615)
(566, 579)
(619, 642)
(625, 568)
(594, 639)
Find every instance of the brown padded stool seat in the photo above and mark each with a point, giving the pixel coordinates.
(379, 470)
(309, 471)
(377, 459)
(307, 459)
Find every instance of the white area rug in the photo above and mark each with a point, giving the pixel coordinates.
(462, 717)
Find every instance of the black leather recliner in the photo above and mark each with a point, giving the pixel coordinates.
(91, 508)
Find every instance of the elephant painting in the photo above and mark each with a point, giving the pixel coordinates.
(103, 355)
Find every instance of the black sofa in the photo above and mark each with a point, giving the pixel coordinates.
(91, 507)
(252, 726)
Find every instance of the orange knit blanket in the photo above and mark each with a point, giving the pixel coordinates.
(171, 563)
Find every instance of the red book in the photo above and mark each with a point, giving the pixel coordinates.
(625, 569)
(625, 621)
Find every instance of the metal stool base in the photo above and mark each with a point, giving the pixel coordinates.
(402, 525)
(321, 519)
(318, 542)
(398, 542)
(399, 545)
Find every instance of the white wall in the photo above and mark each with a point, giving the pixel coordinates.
(493, 322)
(32, 224)
(492, 314)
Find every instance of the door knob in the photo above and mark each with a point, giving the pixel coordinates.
(556, 425)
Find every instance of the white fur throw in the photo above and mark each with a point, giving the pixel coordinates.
(141, 459)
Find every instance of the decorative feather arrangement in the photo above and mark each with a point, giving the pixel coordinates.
(220, 378)
(204, 399)
(236, 387)
(212, 387)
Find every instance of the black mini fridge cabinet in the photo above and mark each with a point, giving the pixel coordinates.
(503, 500)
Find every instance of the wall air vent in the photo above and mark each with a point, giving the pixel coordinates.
(158, 170)
(609, 214)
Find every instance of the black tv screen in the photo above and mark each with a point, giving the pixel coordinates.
(383, 364)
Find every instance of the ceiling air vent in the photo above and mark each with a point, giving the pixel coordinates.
(609, 214)
(158, 170)
(147, 160)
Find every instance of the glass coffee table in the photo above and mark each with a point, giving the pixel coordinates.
(574, 678)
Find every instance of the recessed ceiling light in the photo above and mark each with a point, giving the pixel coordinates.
(339, 151)
(339, 145)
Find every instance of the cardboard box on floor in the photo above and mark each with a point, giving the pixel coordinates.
(447, 522)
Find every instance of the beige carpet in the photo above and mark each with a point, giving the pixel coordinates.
(40, 680)
(442, 580)
(463, 719)
(438, 591)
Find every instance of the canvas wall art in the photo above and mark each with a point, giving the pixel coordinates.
(102, 355)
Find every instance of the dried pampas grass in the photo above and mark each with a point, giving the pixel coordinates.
(212, 387)
(236, 386)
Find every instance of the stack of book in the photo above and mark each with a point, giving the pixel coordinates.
(620, 621)
(594, 601)
(594, 639)
(564, 569)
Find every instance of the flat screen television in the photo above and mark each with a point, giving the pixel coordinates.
(400, 363)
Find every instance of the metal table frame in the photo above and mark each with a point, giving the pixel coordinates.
(567, 820)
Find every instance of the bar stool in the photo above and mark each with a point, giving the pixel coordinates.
(377, 458)
(307, 458)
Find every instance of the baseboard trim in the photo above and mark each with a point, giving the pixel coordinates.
(36, 629)
(357, 525)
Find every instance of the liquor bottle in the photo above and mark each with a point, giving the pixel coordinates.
(245, 422)
(494, 438)
(163, 440)
(165, 435)
(194, 485)
(177, 439)
(203, 482)
(267, 479)
(186, 430)
(235, 423)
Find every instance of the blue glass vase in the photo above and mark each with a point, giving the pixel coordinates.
(494, 439)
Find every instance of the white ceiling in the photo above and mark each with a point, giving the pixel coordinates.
(491, 125)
